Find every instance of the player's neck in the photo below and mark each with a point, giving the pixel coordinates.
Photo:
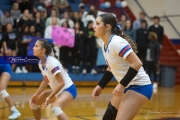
(106, 38)
(43, 59)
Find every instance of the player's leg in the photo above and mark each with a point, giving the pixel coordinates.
(63, 99)
(5, 77)
(136, 98)
(112, 109)
(41, 99)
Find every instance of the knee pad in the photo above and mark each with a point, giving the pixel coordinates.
(34, 107)
(110, 113)
(4, 94)
(56, 111)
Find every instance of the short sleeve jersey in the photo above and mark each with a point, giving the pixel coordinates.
(53, 67)
(115, 54)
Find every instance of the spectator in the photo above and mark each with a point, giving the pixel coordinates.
(23, 41)
(137, 23)
(7, 19)
(90, 50)
(39, 5)
(61, 5)
(142, 41)
(54, 13)
(15, 13)
(83, 13)
(38, 23)
(76, 18)
(2, 41)
(24, 20)
(91, 15)
(32, 30)
(48, 32)
(66, 18)
(152, 57)
(43, 14)
(25, 5)
(158, 29)
(123, 22)
(129, 30)
(1, 14)
(10, 38)
(64, 50)
(77, 50)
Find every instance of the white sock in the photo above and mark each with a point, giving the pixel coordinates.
(13, 108)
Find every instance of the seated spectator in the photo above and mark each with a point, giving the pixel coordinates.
(15, 13)
(54, 13)
(39, 5)
(137, 23)
(66, 18)
(122, 22)
(61, 5)
(91, 16)
(158, 29)
(129, 30)
(44, 15)
(7, 19)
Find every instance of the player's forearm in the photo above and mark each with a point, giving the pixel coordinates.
(41, 87)
(57, 89)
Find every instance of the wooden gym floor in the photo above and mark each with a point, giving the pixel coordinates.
(164, 105)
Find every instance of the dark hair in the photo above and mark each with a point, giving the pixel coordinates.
(110, 19)
(156, 17)
(48, 46)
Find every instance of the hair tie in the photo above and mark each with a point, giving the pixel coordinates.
(50, 41)
(118, 26)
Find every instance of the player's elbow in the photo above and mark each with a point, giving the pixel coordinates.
(139, 64)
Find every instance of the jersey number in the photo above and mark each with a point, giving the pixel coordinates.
(46, 79)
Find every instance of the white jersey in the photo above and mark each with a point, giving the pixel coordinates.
(53, 66)
(115, 54)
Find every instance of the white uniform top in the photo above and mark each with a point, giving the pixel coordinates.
(53, 66)
(115, 54)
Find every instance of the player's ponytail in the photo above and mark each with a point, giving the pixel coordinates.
(118, 31)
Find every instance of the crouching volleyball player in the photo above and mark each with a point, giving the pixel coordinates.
(62, 92)
(134, 88)
(5, 75)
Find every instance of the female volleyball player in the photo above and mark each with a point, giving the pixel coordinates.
(62, 92)
(5, 75)
(134, 88)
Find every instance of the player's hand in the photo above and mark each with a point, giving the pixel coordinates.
(97, 91)
(34, 99)
(119, 90)
(46, 103)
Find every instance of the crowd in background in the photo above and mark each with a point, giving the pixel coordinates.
(36, 18)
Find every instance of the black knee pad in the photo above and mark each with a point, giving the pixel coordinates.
(110, 113)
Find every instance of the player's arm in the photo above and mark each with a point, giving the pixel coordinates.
(106, 78)
(125, 51)
(41, 88)
(59, 86)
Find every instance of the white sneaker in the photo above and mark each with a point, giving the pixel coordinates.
(18, 70)
(93, 71)
(84, 71)
(155, 85)
(24, 70)
(15, 115)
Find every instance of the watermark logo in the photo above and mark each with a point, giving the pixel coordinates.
(158, 112)
(18, 60)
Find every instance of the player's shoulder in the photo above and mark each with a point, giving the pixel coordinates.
(52, 59)
(118, 40)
